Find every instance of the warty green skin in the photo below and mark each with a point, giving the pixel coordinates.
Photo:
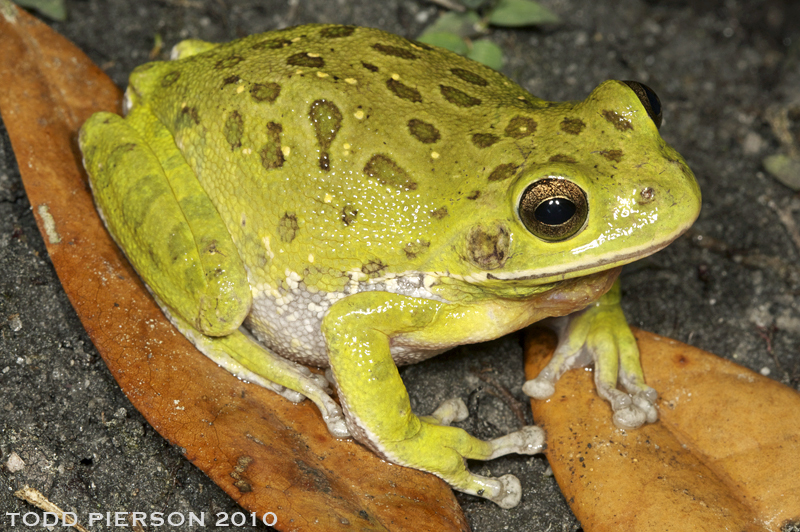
(352, 197)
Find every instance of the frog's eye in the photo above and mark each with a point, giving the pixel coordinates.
(553, 209)
(649, 100)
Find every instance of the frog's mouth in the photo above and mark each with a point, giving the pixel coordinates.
(587, 266)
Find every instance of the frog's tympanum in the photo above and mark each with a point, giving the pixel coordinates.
(342, 197)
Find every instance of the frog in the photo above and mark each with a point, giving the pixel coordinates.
(341, 197)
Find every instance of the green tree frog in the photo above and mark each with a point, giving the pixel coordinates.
(342, 197)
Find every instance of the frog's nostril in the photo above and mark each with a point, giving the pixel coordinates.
(646, 195)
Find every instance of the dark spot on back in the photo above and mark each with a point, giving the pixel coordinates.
(573, 126)
(617, 120)
(230, 80)
(327, 120)
(288, 227)
(394, 51)
(469, 77)
(562, 158)
(265, 92)
(422, 45)
(612, 155)
(386, 172)
(335, 32)
(414, 249)
(271, 154)
(187, 117)
(439, 213)
(234, 129)
(503, 172)
(170, 78)
(304, 60)
(475, 194)
(271, 44)
(520, 127)
(487, 248)
(349, 214)
(403, 91)
(457, 97)
(484, 140)
(369, 66)
(423, 131)
(373, 268)
(228, 62)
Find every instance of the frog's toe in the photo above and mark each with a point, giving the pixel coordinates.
(510, 492)
(539, 388)
(645, 400)
(528, 440)
(505, 491)
(450, 410)
(629, 418)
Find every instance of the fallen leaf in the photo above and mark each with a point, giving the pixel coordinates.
(267, 453)
(724, 455)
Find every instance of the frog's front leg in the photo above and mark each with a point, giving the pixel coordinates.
(600, 334)
(359, 330)
(156, 210)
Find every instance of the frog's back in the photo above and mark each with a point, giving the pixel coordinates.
(335, 152)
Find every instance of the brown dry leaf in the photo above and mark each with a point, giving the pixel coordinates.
(725, 454)
(267, 453)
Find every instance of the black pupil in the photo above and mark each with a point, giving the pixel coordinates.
(555, 211)
(655, 104)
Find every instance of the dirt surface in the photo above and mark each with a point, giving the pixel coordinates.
(731, 287)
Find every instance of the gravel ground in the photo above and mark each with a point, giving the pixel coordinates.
(731, 287)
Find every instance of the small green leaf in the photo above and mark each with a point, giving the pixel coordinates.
(486, 52)
(52, 9)
(784, 168)
(448, 41)
(462, 24)
(516, 13)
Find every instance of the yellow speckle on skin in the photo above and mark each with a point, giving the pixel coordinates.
(247, 151)
(523, 128)
(395, 77)
(328, 198)
(312, 54)
(351, 81)
(286, 150)
(267, 247)
(296, 39)
(240, 89)
(183, 105)
(299, 72)
(322, 75)
(520, 97)
(310, 258)
(434, 155)
(346, 145)
(359, 114)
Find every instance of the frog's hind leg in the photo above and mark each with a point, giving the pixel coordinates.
(244, 357)
(173, 235)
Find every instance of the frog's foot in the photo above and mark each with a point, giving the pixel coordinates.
(245, 358)
(601, 335)
(448, 449)
(451, 446)
(450, 410)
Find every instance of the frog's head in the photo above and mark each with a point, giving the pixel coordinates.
(597, 188)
